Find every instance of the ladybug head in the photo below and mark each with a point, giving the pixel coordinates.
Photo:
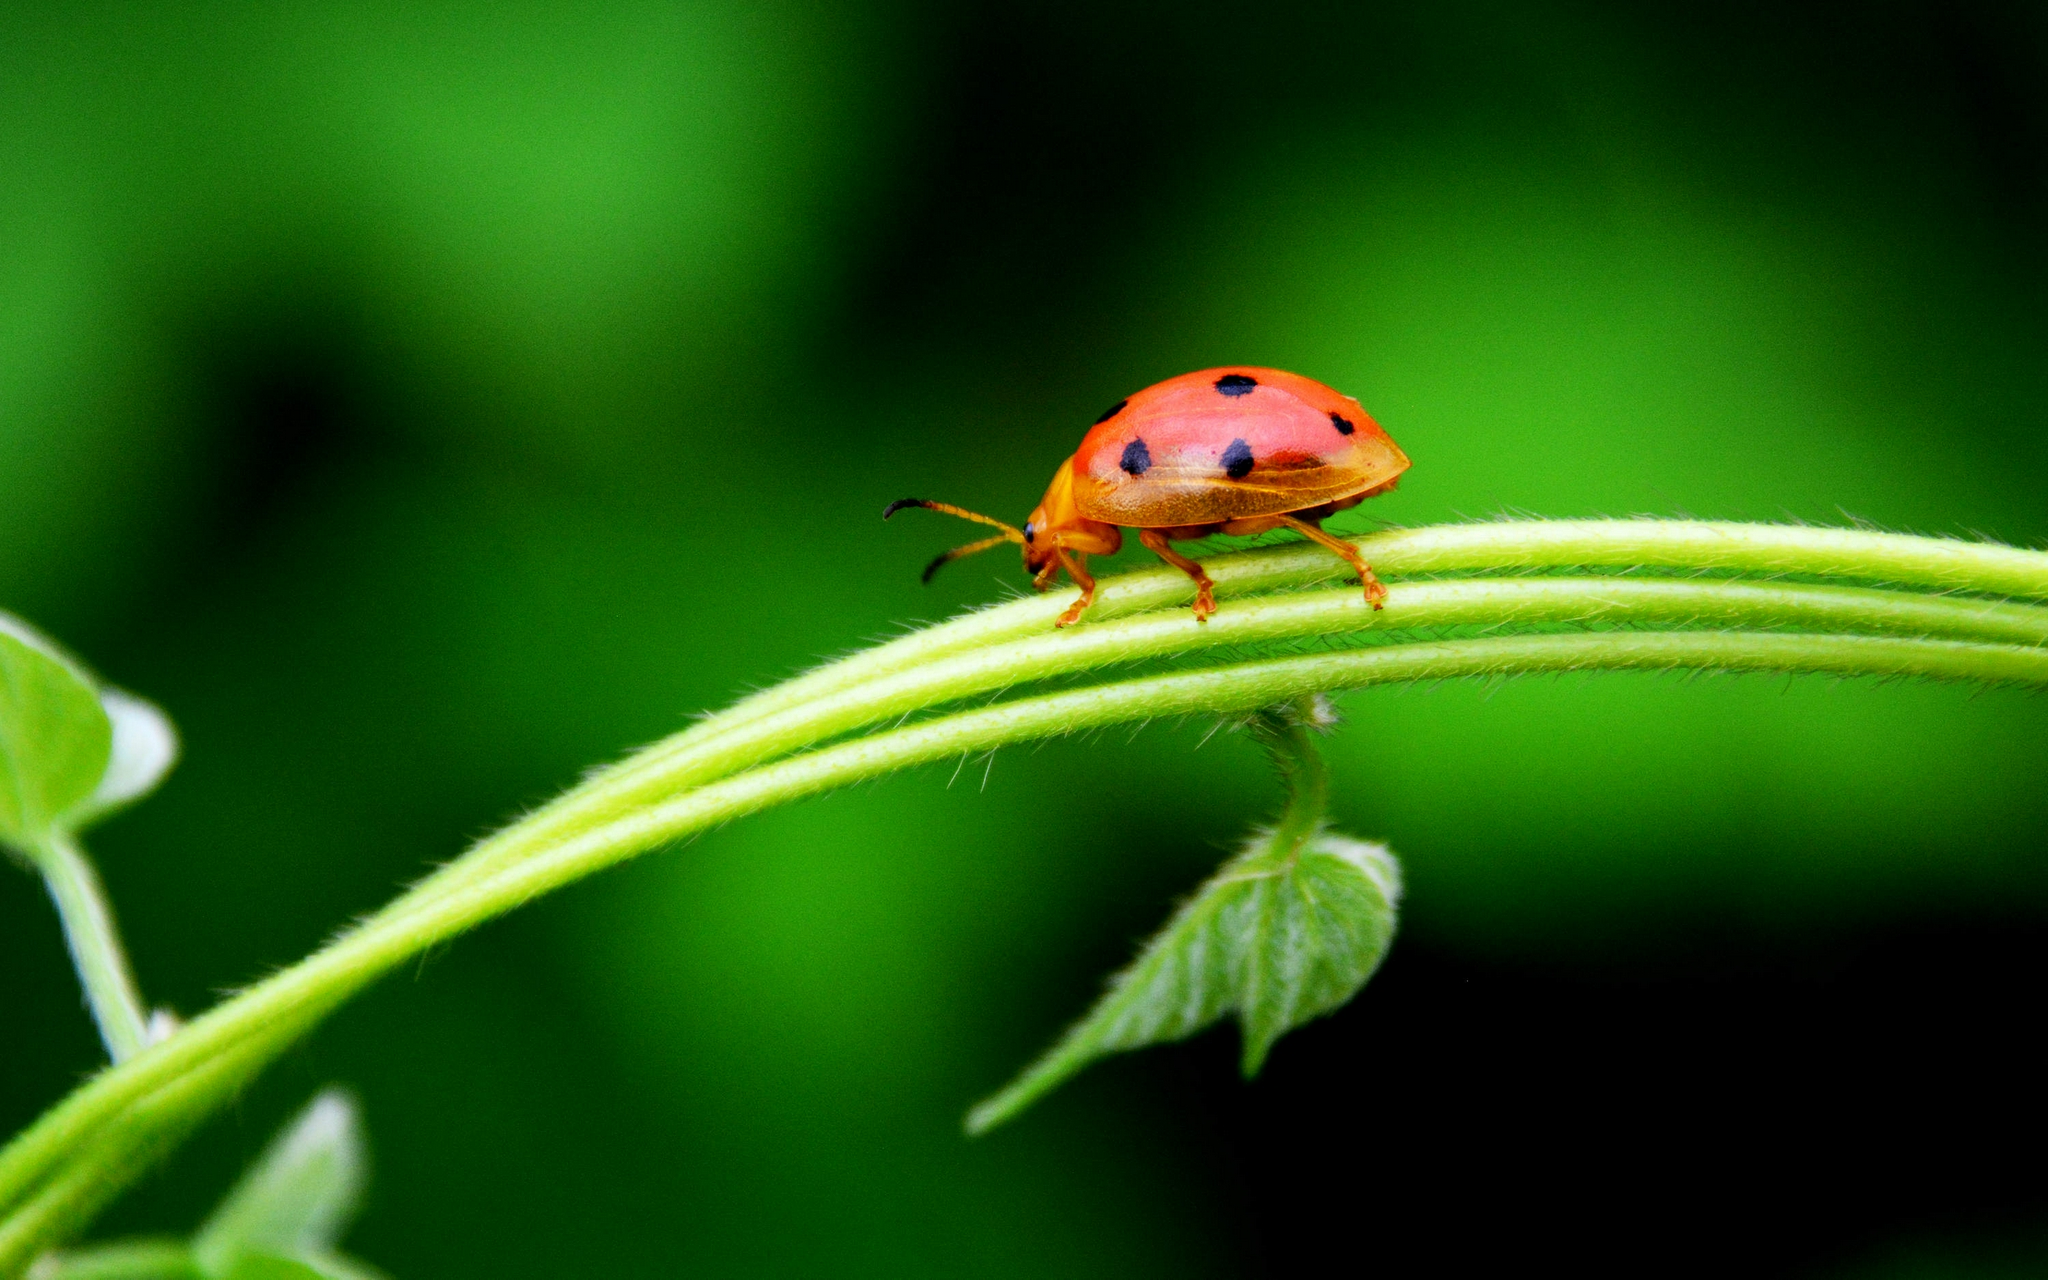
(1055, 523)
(1039, 548)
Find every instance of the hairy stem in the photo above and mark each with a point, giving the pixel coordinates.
(1011, 654)
(1287, 732)
(1942, 564)
(779, 746)
(95, 946)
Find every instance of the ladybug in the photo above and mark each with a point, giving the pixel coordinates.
(1235, 450)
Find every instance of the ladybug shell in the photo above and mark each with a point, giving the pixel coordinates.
(1228, 444)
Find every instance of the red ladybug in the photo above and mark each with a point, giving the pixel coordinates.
(1235, 450)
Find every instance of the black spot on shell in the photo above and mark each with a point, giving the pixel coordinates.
(1111, 412)
(1342, 423)
(1137, 458)
(1236, 384)
(1237, 460)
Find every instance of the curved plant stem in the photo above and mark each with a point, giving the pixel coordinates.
(147, 1131)
(778, 746)
(1698, 546)
(1943, 564)
(95, 945)
(1039, 652)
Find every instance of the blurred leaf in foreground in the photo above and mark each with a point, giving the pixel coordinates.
(1286, 931)
(55, 738)
(129, 1260)
(281, 1222)
(71, 751)
(298, 1198)
(269, 1266)
(144, 748)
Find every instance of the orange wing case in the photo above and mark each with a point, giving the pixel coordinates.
(1227, 444)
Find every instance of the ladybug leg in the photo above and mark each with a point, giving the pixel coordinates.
(1375, 590)
(1205, 590)
(1075, 563)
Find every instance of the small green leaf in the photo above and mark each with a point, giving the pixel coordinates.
(1277, 936)
(128, 1260)
(298, 1198)
(55, 737)
(145, 746)
(307, 1266)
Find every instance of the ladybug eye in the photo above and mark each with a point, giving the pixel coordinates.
(1030, 532)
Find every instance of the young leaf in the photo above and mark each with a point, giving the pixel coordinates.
(129, 1260)
(55, 737)
(279, 1223)
(308, 1266)
(298, 1198)
(1281, 934)
(145, 746)
(172, 1260)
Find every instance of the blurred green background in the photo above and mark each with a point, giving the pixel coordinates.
(424, 402)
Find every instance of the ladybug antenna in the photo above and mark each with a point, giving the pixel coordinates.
(1010, 533)
(956, 553)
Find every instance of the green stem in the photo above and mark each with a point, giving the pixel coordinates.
(56, 1173)
(1287, 733)
(1939, 563)
(147, 1131)
(1005, 659)
(1943, 564)
(95, 946)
